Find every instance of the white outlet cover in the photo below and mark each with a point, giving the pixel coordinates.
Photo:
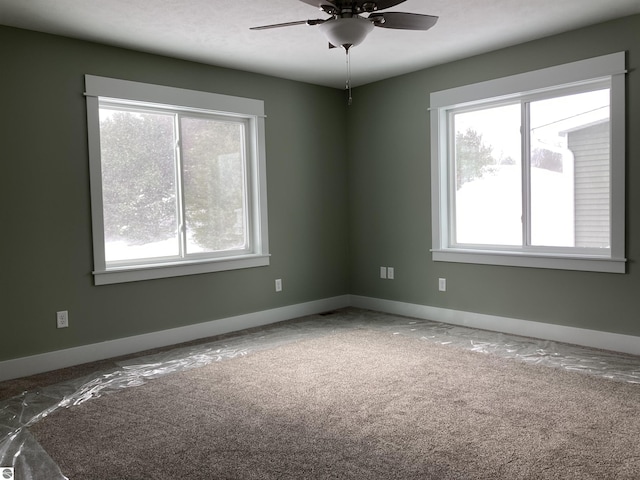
(62, 319)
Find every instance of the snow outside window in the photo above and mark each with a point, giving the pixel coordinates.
(532, 176)
(177, 182)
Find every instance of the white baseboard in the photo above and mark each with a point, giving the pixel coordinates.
(547, 331)
(22, 367)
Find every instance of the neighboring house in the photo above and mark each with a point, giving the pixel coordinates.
(590, 147)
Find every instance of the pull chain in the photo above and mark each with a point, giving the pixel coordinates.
(348, 87)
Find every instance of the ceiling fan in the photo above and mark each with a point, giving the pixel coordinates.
(347, 27)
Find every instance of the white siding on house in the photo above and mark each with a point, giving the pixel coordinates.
(591, 146)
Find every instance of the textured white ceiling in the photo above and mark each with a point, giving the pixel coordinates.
(217, 31)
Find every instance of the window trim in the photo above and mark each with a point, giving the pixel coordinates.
(517, 87)
(110, 89)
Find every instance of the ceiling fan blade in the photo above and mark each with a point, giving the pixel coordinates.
(289, 24)
(403, 21)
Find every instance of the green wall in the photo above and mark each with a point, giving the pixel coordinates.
(46, 225)
(348, 192)
(390, 196)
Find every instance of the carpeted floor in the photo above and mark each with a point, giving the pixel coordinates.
(358, 404)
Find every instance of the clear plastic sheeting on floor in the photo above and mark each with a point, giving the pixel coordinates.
(19, 449)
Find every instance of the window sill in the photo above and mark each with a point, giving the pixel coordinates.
(518, 259)
(150, 272)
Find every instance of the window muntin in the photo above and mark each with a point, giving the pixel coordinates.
(177, 188)
(545, 184)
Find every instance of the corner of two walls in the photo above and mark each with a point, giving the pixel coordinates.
(390, 203)
(348, 192)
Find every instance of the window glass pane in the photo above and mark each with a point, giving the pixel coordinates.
(570, 170)
(138, 184)
(488, 184)
(214, 184)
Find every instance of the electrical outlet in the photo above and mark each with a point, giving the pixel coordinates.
(383, 272)
(391, 273)
(278, 284)
(62, 319)
(442, 284)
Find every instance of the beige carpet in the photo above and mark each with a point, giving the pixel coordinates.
(355, 405)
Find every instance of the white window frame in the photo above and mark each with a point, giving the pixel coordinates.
(571, 76)
(250, 111)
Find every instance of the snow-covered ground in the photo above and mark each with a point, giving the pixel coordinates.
(121, 250)
(489, 209)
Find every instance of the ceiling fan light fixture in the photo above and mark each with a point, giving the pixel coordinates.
(346, 31)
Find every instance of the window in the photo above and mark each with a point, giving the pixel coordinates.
(177, 181)
(528, 170)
